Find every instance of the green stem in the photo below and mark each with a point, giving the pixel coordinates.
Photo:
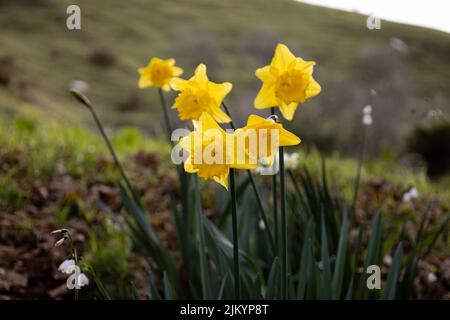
(75, 257)
(255, 189)
(237, 278)
(358, 172)
(110, 148)
(166, 115)
(275, 203)
(201, 239)
(283, 227)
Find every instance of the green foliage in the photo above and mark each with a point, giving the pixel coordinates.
(322, 264)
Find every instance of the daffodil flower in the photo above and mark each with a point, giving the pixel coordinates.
(287, 82)
(199, 95)
(269, 135)
(212, 151)
(158, 73)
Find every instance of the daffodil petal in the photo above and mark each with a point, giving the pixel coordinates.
(266, 97)
(178, 84)
(313, 89)
(200, 73)
(288, 110)
(283, 57)
(219, 91)
(177, 71)
(223, 180)
(145, 82)
(287, 138)
(264, 74)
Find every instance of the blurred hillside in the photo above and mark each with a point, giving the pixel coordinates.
(407, 66)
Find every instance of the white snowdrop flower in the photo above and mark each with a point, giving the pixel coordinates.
(367, 109)
(413, 193)
(410, 195)
(60, 241)
(367, 120)
(82, 280)
(431, 277)
(291, 160)
(387, 260)
(261, 225)
(66, 266)
(373, 92)
(58, 231)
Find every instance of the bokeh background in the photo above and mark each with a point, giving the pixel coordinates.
(54, 169)
(407, 67)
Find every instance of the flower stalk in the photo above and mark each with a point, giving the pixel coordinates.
(275, 202)
(85, 101)
(255, 189)
(235, 236)
(283, 227)
(166, 115)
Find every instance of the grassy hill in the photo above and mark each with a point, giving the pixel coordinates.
(39, 57)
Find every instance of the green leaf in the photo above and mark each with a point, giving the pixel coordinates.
(338, 275)
(273, 288)
(372, 255)
(326, 279)
(393, 275)
(167, 289)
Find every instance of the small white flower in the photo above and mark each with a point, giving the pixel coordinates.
(367, 120)
(367, 109)
(387, 260)
(82, 280)
(373, 92)
(261, 225)
(367, 115)
(414, 193)
(431, 277)
(60, 241)
(410, 195)
(291, 161)
(66, 266)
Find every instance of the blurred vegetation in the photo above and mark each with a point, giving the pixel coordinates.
(40, 57)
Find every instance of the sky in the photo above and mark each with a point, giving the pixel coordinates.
(433, 14)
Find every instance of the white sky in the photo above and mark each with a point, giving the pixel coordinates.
(427, 13)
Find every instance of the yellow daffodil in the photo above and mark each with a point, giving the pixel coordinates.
(212, 151)
(158, 73)
(287, 81)
(198, 95)
(268, 134)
